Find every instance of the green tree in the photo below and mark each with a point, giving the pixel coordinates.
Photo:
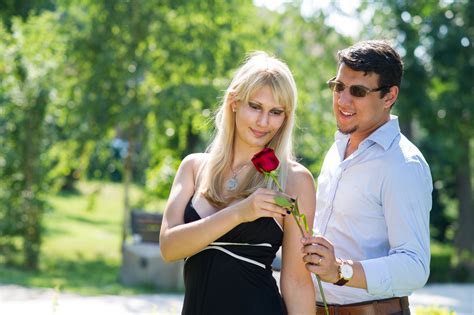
(309, 47)
(437, 41)
(149, 73)
(29, 66)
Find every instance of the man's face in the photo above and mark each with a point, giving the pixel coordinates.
(359, 116)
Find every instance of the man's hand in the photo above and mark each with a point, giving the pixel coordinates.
(320, 258)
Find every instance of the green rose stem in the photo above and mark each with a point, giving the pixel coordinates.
(283, 202)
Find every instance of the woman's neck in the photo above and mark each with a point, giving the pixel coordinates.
(242, 155)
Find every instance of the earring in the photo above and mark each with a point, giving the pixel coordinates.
(233, 109)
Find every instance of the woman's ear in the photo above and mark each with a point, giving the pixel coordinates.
(232, 101)
(391, 96)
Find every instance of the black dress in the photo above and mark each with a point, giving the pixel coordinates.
(233, 275)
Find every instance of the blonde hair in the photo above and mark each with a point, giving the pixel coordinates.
(259, 70)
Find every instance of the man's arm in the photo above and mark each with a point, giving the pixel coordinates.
(406, 198)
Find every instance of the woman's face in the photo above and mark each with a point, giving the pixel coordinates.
(258, 120)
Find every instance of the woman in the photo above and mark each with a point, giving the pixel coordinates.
(221, 216)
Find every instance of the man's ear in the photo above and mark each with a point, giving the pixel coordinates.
(390, 97)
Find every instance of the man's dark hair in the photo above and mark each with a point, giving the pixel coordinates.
(374, 56)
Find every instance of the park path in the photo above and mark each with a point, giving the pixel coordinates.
(17, 300)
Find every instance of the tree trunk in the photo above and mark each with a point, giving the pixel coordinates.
(31, 200)
(127, 179)
(465, 234)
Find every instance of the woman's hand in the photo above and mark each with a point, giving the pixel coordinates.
(260, 204)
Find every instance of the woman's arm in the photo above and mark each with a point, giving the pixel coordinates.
(295, 281)
(179, 240)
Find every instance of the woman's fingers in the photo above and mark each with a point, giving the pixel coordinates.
(264, 204)
(273, 207)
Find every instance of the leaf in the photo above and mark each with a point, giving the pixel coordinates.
(305, 223)
(301, 217)
(283, 202)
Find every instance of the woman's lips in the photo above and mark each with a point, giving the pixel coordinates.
(259, 134)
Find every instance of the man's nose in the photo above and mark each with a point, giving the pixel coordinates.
(344, 97)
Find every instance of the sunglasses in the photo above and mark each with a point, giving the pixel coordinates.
(355, 90)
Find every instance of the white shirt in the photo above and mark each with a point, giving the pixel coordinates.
(374, 207)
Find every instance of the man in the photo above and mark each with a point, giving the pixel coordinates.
(374, 194)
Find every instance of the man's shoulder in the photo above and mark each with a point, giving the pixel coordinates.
(406, 161)
(405, 151)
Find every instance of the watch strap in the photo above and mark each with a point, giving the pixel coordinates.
(341, 280)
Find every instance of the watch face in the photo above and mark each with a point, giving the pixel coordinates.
(346, 271)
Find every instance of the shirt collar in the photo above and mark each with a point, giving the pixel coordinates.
(386, 133)
(383, 136)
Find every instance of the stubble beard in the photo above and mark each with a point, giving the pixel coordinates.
(347, 131)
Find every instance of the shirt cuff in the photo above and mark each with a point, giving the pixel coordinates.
(377, 274)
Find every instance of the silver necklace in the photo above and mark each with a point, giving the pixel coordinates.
(232, 183)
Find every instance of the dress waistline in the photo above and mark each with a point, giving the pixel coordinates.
(218, 246)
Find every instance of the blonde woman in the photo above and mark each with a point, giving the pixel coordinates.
(221, 216)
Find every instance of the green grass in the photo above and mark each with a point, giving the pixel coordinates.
(441, 263)
(431, 310)
(82, 238)
(81, 244)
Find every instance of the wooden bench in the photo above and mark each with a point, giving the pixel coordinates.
(146, 226)
(141, 259)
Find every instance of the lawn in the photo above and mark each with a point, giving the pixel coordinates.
(81, 244)
(82, 238)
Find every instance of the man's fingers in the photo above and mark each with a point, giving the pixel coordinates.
(315, 249)
(313, 259)
(321, 240)
(313, 268)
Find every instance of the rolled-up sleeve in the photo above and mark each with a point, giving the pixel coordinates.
(407, 201)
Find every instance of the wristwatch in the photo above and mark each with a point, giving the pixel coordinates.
(345, 272)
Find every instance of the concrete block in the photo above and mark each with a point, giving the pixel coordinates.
(142, 264)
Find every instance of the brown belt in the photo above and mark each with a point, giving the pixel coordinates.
(397, 305)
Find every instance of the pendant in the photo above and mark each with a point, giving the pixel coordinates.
(232, 184)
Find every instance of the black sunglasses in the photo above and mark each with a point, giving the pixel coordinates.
(355, 90)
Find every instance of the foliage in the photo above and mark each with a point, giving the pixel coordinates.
(315, 122)
(100, 69)
(437, 45)
(123, 90)
(81, 244)
(30, 63)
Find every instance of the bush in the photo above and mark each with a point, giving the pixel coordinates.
(441, 259)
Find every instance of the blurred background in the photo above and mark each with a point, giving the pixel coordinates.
(100, 101)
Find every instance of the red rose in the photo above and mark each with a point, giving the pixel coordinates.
(265, 160)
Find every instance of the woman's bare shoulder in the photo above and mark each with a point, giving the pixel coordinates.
(195, 158)
(194, 161)
(299, 176)
(298, 170)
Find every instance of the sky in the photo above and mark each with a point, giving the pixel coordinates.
(345, 23)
